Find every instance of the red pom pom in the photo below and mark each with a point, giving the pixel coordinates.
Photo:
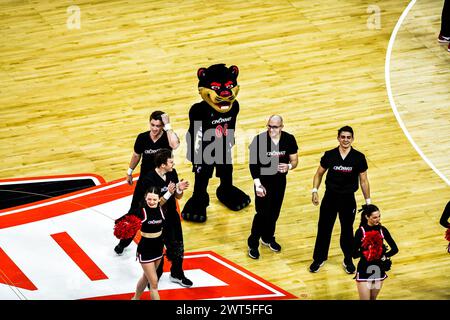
(372, 245)
(127, 227)
(447, 235)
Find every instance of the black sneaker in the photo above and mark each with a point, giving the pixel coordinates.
(183, 281)
(253, 253)
(315, 266)
(274, 246)
(349, 267)
(118, 249)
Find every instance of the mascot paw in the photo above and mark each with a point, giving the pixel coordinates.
(195, 210)
(193, 217)
(232, 197)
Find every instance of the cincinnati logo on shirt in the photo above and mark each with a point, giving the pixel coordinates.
(221, 120)
(276, 153)
(151, 151)
(155, 221)
(343, 169)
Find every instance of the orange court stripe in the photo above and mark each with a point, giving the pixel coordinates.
(11, 274)
(73, 250)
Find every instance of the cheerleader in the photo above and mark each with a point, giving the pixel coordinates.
(150, 247)
(444, 222)
(372, 253)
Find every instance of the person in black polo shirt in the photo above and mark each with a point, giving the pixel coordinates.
(146, 145)
(165, 177)
(345, 167)
(272, 154)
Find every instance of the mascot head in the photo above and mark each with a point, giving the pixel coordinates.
(218, 86)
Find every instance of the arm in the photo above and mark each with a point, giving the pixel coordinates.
(194, 136)
(316, 184)
(392, 245)
(364, 182)
(171, 189)
(293, 162)
(255, 168)
(357, 244)
(135, 158)
(174, 142)
(180, 187)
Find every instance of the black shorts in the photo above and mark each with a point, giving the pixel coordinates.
(149, 249)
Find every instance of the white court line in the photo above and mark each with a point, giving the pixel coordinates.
(64, 199)
(387, 69)
(276, 293)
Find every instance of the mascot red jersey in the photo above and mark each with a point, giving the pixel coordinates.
(210, 137)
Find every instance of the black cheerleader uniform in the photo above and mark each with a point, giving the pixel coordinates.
(372, 270)
(151, 249)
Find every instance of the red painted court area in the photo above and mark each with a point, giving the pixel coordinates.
(61, 248)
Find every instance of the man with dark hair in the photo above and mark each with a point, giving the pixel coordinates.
(273, 154)
(346, 166)
(146, 145)
(165, 177)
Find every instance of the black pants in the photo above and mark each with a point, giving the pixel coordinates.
(138, 195)
(267, 210)
(445, 19)
(204, 172)
(332, 205)
(173, 240)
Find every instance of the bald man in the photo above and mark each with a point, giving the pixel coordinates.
(273, 154)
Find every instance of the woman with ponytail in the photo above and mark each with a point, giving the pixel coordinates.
(150, 248)
(372, 253)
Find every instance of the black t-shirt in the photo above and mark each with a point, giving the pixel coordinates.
(152, 178)
(152, 219)
(343, 174)
(265, 155)
(145, 146)
(215, 127)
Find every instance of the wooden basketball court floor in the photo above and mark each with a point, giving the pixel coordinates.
(75, 93)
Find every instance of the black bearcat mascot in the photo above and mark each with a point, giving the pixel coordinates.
(210, 138)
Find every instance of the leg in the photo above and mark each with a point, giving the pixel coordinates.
(152, 278)
(195, 208)
(138, 195)
(173, 239)
(125, 242)
(327, 218)
(363, 290)
(140, 287)
(375, 290)
(347, 212)
(276, 196)
(233, 198)
(160, 268)
(445, 19)
(259, 220)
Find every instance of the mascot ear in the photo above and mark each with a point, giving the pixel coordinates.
(234, 70)
(201, 73)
